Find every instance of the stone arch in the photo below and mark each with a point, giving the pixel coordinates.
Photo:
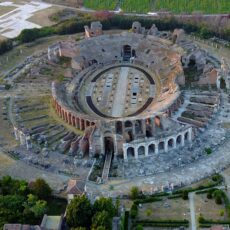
(130, 135)
(130, 152)
(171, 143)
(87, 123)
(141, 150)
(179, 140)
(138, 128)
(128, 124)
(186, 136)
(161, 146)
(222, 83)
(66, 117)
(82, 124)
(119, 129)
(69, 119)
(126, 52)
(151, 148)
(108, 144)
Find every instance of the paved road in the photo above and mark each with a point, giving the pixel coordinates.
(192, 210)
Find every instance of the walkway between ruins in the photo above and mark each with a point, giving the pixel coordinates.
(120, 95)
(192, 210)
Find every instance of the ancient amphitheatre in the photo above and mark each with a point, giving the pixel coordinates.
(124, 111)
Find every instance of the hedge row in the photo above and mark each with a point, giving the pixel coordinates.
(163, 223)
(147, 200)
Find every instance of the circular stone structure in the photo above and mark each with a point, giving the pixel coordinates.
(125, 89)
(121, 91)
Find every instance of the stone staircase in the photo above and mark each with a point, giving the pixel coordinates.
(105, 173)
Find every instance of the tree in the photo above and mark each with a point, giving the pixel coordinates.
(102, 219)
(40, 208)
(41, 189)
(79, 212)
(104, 204)
(134, 193)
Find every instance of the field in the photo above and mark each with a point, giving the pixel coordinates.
(42, 17)
(209, 209)
(6, 9)
(174, 209)
(176, 6)
(100, 4)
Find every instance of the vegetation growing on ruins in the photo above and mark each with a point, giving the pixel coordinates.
(175, 6)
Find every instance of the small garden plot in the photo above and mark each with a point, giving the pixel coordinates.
(173, 209)
(208, 208)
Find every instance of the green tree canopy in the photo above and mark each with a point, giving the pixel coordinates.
(104, 204)
(101, 220)
(79, 212)
(41, 189)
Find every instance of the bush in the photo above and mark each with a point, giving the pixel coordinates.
(134, 193)
(185, 195)
(134, 211)
(5, 45)
(201, 218)
(208, 151)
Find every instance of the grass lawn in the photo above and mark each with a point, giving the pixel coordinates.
(42, 17)
(6, 9)
(174, 209)
(208, 208)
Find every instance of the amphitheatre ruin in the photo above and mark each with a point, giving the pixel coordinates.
(127, 108)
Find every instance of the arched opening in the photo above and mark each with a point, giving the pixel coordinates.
(222, 83)
(109, 145)
(87, 123)
(138, 126)
(129, 136)
(73, 121)
(186, 136)
(151, 149)
(130, 152)
(69, 118)
(141, 151)
(192, 61)
(171, 143)
(179, 140)
(149, 131)
(127, 52)
(82, 124)
(161, 146)
(133, 53)
(119, 127)
(128, 124)
(157, 121)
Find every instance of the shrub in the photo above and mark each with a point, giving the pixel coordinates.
(222, 212)
(208, 151)
(148, 212)
(134, 192)
(201, 218)
(5, 45)
(134, 211)
(185, 195)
